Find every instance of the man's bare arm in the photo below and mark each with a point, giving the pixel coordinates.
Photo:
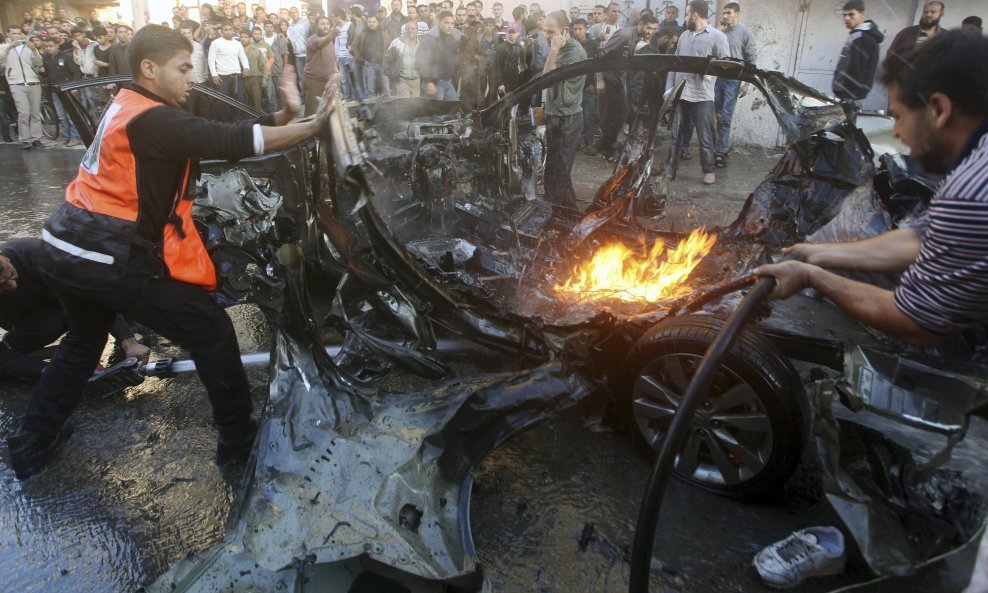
(869, 304)
(890, 252)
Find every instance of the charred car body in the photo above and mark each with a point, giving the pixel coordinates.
(410, 227)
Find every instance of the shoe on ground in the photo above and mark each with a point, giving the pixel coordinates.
(810, 552)
(25, 146)
(709, 178)
(30, 451)
(685, 154)
(720, 161)
(37, 144)
(236, 443)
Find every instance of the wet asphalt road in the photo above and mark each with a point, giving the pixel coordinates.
(135, 488)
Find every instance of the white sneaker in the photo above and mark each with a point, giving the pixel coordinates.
(709, 178)
(810, 552)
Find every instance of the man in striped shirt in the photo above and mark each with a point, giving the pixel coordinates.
(938, 95)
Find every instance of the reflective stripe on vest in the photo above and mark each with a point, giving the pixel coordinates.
(107, 185)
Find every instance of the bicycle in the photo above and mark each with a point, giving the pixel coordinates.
(50, 126)
(49, 115)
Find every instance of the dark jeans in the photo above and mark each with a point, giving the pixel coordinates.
(701, 117)
(231, 85)
(613, 112)
(589, 117)
(725, 100)
(181, 312)
(562, 136)
(300, 72)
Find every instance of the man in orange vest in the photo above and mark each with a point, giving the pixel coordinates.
(124, 242)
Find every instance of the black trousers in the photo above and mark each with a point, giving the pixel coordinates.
(183, 313)
(562, 136)
(31, 331)
(613, 113)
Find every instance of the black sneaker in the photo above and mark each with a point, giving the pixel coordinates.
(25, 146)
(30, 451)
(236, 443)
(37, 144)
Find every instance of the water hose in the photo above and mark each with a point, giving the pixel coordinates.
(648, 516)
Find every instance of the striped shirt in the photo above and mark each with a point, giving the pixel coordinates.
(944, 290)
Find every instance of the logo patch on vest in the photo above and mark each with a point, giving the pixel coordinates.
(90, 160)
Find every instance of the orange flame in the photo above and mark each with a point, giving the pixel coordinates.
(617, 272)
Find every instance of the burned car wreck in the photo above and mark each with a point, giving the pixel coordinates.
(411, 228)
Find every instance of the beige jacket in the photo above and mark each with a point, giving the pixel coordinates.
(22, 67)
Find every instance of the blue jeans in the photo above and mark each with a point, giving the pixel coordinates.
(725, 100)
(445, 91)
(231, 85)
(346, 64)
(375, 82)
(68, 130)
(700, 116)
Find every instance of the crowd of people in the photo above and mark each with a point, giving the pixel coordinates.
(432, 50)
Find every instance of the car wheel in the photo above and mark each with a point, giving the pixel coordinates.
(747, 436)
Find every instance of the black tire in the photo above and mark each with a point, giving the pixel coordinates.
(49, 121)
(748, 437)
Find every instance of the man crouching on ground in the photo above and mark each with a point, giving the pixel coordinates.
(124, 242)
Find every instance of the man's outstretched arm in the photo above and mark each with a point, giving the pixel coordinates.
(869, 304)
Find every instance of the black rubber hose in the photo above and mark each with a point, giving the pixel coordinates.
(648, 516)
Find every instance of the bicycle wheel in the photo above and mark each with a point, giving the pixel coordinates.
(49, 120)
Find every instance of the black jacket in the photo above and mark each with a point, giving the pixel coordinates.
(437, 56)
(61, 67)
(506, 63)
(858, 62)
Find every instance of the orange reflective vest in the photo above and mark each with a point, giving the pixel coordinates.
(103, 198)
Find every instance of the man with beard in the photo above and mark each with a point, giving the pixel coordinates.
(614, 103)
(368, 49)
(855, 72)
(320, 64)
(929, 25)
(938, 97)
(696, 105)
(395, 23)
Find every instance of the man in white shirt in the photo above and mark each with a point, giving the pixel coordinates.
(344, 59)
(298, 34)
(227, 61)
(700, 39)
(198, 59)
(408, 83)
